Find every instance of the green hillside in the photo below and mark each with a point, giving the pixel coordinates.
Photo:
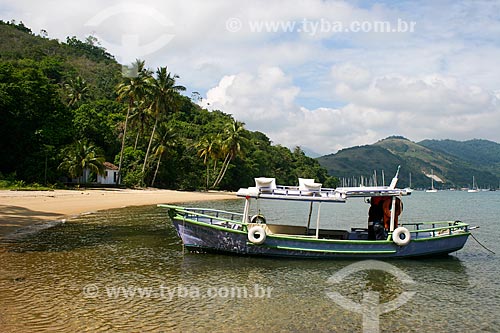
(340, 164)
(414, 158)
(482, 154)
(65, 105)
(61, 61)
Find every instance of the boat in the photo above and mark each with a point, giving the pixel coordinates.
(432, 189)
(474, 188)
(248, 233)
(409, 188)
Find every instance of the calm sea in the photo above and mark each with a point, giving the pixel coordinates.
(124, 270)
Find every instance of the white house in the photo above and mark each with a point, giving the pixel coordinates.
(110, 175)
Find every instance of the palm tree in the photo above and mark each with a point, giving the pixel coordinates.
(166, 139)
(163, 95)
(132, 89)
(232, 144)
(80, 156)
(77, 90)
(138, 119)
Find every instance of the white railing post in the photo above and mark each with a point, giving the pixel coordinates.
(393, 213)
(317, 220)
(246, 210)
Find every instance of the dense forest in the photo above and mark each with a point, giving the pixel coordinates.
(67, 106)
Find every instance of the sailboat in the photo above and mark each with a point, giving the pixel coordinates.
(409, 189)
(474, 188)
(432, 189)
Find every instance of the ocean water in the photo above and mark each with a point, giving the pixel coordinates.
(124, 270)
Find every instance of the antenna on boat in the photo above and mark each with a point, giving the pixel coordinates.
(395, 179)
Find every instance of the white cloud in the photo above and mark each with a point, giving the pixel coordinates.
(422, 95)
(351, 75)
(416, 107)
(323, 90)
(261, 100)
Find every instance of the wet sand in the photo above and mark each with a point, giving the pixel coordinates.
(20, 209)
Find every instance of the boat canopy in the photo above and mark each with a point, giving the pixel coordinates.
(309, 190)
(340, 194)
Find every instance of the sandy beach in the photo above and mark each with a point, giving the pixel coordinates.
(19, 209)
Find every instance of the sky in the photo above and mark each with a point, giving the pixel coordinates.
(323, 75)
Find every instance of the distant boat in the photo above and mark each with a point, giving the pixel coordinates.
(474, 188)
(432, 189)
(409, 189)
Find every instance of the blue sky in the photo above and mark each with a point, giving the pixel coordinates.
(325, 89)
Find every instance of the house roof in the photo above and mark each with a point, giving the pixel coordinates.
(110, 166)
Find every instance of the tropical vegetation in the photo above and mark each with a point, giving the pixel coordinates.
(82, 156)
(65, 107)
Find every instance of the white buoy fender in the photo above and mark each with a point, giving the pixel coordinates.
(396, 236)
(258, 219)
(257, 235)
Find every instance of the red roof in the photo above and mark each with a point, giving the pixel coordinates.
(110, 166)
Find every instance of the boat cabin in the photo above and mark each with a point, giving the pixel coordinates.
(385, 207)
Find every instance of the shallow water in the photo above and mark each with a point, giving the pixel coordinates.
(124, 270)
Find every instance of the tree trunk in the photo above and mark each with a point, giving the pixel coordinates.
(224, 170)
(136, 139)
(123, 142)
(227, 159)
(208, 169)
(156, 171)
(149, 148)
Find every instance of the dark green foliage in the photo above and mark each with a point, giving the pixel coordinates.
(79, 156)
(18, 26)
(88, 48)
(97, 121)
(131, 166)
(32, 116)
(34, 121)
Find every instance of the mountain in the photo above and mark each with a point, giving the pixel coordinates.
(309, 152)
(479, 153)
(454, 168)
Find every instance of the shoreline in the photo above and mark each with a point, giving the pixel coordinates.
(22, 209)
